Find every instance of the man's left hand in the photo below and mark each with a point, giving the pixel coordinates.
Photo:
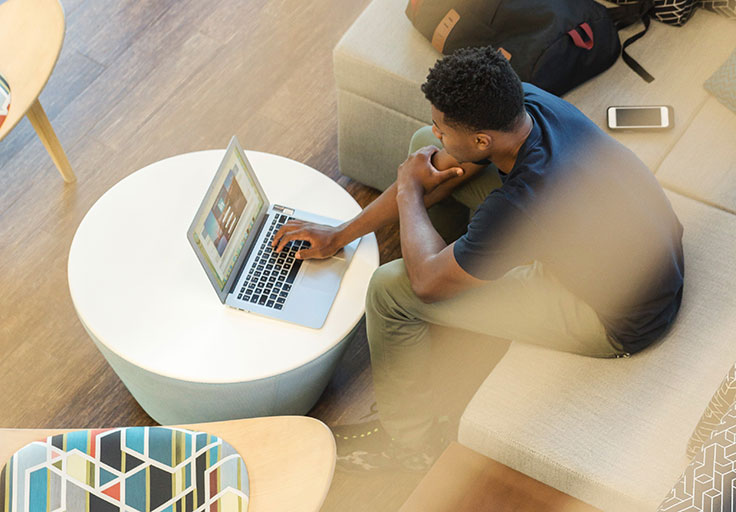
(418, 174)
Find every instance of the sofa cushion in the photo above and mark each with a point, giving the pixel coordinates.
(722, 83)
(385, 60)
(703, 163)
(131, 469)
(613, 432)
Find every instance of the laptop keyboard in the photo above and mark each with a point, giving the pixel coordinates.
(271, 275)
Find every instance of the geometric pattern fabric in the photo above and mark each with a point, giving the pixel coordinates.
(719, 405)
(723, 7)
(709, 481)
(4, 97)
(678, 12)
(135, 469)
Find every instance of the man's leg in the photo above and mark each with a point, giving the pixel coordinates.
(527, 305)
(450, 216)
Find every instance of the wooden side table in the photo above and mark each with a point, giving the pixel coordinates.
(463, 480)
(31, 35)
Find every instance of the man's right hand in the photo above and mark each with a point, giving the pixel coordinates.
(322, 239)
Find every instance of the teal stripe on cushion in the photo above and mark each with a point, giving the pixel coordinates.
(188, 446)
(201, 441)
(134, 439)
(106, 476)
(159, 445)
(38, 483)
(214, 455)
(77, 441)
(135, 491)
(4, 85)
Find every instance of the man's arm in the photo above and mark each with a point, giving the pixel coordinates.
(438, 183)
(433, 271)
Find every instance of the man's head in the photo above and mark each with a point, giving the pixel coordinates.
(474, 92)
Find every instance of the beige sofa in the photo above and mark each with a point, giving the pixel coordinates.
(610, 432)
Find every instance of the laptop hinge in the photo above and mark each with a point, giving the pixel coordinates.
(283, 209)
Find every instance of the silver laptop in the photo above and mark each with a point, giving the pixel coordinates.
(231, 235)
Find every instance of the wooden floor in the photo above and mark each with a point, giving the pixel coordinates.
(138, 81)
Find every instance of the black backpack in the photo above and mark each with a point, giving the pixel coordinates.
(553, 44)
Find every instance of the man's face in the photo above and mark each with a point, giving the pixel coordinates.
(460, 143)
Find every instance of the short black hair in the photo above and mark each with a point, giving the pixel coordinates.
(476, 88)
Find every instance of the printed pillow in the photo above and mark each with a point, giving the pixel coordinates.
(136, 469)
(4, 99)
(707, 483)
(722, 84)
(722, 401)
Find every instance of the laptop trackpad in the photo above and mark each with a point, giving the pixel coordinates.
(323, 275)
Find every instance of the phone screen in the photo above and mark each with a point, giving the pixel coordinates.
(642, 116)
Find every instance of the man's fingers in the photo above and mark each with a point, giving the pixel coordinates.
(288, 236)
(284, 231)
(448, 174)
(305, 254)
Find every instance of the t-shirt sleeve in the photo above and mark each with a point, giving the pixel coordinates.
(497, 240)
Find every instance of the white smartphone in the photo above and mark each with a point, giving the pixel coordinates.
(649, 117)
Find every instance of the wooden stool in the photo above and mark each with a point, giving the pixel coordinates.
(290, 459)
(31, 35)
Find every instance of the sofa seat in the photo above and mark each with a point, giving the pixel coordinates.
(613, 432)
(703, 163)
(381, 62)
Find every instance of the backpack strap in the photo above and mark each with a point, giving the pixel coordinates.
(628, 14)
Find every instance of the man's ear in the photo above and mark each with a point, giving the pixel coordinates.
(483, 141)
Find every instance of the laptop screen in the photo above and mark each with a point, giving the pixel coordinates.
(227, 216)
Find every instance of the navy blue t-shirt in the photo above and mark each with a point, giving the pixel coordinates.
(593, 214)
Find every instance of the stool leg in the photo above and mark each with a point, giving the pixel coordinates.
(41, 124)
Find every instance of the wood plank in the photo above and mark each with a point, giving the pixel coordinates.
(465, 481)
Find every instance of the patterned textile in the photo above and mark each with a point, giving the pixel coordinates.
(137, 469)
(723, 399)
(708, 483)
(722, 84)
(725, 8)
(677, 12)
(4, 98)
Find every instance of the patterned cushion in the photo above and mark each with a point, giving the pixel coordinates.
(4, 98)
(719, 405)
(145, 469)
(722, 84)
(707, 484)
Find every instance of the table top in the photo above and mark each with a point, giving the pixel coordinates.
(290, 459)
(31, 35)
(140, 291)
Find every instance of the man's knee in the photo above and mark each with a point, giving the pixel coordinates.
(423, 137)
(388, 283)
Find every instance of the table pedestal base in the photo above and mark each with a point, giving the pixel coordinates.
(173, 401)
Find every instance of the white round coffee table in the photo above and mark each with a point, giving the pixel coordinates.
(143, 297)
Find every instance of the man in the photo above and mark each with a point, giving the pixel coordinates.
(575, 248)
